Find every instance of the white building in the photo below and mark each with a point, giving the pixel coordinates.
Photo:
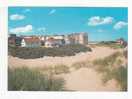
(31, 42)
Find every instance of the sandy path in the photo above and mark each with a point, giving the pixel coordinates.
(86, 79)
(97, 52)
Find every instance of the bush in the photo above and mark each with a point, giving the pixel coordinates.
(30, 53)
(30, 80)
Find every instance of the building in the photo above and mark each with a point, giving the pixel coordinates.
(42, 39)
(78, 38)
(13, 40)
(48, 41)
(122, 42)
(31, 42)
(52, 42)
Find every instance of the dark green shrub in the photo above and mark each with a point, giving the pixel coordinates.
(30, 80)
(30, 53)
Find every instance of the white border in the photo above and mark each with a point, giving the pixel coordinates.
(4, 94)
(90, 3)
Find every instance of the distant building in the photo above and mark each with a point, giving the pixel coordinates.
(31, 42)
(52, 42)
(42, 39)
(78, 38)
(13, 40)
(121, 41)
(48, 41)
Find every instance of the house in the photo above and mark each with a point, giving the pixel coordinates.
(42, 39)
(51, 42)
(31, 42)
(122, 42)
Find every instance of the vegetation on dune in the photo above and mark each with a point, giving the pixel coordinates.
(56, 69)
(79, 65)
(119, 74)
(107, 67)
(59, 69)
(25, 79)
(110, 44)
(30, 53)
(108, 62)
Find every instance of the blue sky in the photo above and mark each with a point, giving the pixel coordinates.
(100, 23)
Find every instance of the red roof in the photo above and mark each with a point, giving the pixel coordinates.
(51, 39)
(32, 40)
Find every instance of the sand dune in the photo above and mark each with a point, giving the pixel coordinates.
(84, 79)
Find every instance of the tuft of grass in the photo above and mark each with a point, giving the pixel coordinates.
(119, 74)
(79, 65)
(106, 67)
(24, 79)
(59, 69)
(107, 62)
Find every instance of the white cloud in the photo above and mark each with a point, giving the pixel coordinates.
(24, 29)
(97, 20)
(17, 17)
(52, 11)
(27, 10)
(120, 25)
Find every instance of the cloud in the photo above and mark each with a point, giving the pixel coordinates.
(24, 29)
(120, 25)
(52, 11)
(97, 20)
(17, 17)
(27, 10)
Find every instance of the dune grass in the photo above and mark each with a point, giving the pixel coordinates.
(82, 64)
(119, 74)
(59, 69)
(108, 62)
(24, 79)
(110, 44)
(107, 66)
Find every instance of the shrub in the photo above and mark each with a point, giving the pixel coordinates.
(30, 53)
(30, 80)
